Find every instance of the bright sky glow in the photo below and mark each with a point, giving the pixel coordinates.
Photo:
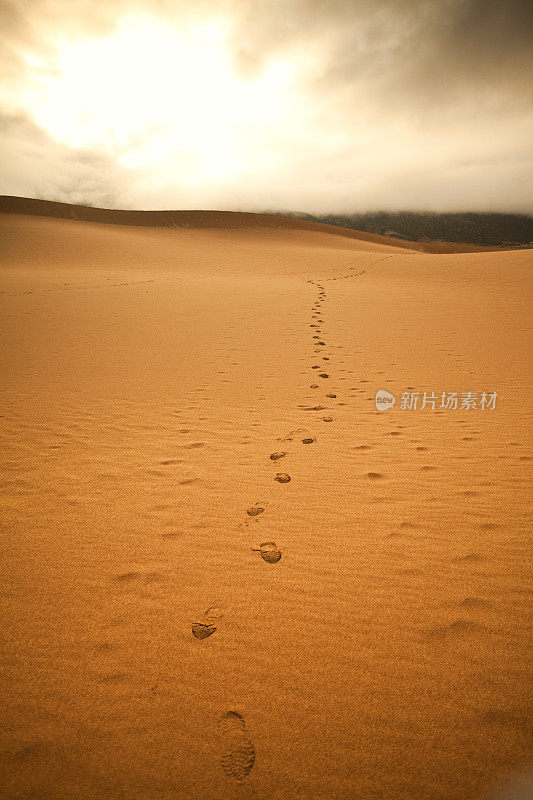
(149, 94)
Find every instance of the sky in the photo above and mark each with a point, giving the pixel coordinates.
(318, 106)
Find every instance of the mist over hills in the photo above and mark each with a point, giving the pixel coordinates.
(480, 228)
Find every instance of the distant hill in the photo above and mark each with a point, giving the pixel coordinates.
(430, 233)
(483, 229)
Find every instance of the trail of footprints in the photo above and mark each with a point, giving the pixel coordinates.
(237, 750)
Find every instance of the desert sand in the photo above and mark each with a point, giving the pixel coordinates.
(149, 374)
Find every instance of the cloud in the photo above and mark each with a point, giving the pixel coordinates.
(36, 166)
(360, 104)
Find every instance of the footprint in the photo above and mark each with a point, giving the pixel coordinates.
(323, 375)
(269, 552)
(291, 434)
(458, 629)
(238, 752)
(126, 577)
(310, 440)
(374, 475)
(474, 603)
(136, 577)
(331, 395)
(206, 628)
(282, 477)
(202, 630)
(276, 456)
(468, 558)
(255, 511)
(314, 386)
(327, 419)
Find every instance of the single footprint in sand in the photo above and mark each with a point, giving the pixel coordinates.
(331, 395)
(269, 552)
(206, 627)
(323, 375)
(255, 511)
(238, 752)
(276, 456)
(468, 558)
(282, 477)
(314, 386)
(474, 604)
(327, 419)
(309, 440)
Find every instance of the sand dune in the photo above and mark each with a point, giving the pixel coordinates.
(218, 220)
(185, 622)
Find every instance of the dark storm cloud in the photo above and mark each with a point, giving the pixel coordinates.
(425, 103)
(417, 49)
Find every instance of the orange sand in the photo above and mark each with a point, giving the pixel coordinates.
(148, 374)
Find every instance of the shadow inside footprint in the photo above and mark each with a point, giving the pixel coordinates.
(276, 456)
(202, 630)
(467, 559)
(282, 477)
(269, 552)
(255, 511)
(238, 752)
(206, 628)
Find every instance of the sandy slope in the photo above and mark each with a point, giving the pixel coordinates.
(218, 220)
(148, 375)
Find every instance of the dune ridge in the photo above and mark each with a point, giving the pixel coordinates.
(229, 220)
